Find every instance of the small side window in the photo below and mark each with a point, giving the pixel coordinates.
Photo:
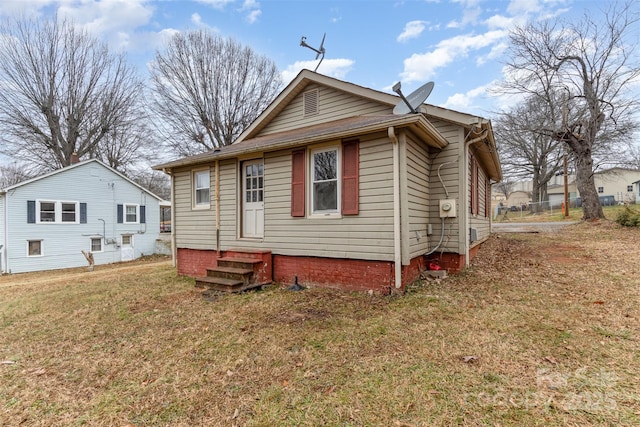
(96, 244)
(34, 248)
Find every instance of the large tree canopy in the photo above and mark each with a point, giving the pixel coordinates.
(592, 61)
(209, 89)
(63, 92)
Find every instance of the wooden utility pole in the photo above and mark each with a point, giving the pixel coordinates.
(566, 186)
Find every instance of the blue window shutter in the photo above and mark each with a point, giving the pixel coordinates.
(83, 213)
(31, 211)
(120, 214)
(143, 214)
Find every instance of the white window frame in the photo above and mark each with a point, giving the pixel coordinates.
(600, 190)
(630, 188)
(39, 204)
(76, 212)
(57, 211)
(91, 244)
(332, 213)
(124, 213)
(194, 182)
(41, 248)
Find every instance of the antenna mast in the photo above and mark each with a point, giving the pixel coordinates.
(319, 51)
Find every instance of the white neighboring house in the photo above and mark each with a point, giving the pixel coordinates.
(46, 222)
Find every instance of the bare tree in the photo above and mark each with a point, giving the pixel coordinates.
(593, 61)
(63, 92)
(526, 150)
(14, 173)
(209, 89)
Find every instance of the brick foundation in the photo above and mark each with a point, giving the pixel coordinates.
(346, 274)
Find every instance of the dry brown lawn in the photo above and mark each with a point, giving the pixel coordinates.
(543, 329)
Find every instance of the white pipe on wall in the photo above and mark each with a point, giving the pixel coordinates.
(397, 248)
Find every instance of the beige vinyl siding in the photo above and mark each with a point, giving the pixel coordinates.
(332, 105)
(479, 221)
(229, 202)
(368, 235)
(194, 228)
(418, 167)
(447, 186)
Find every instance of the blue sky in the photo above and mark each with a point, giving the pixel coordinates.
(457, 44)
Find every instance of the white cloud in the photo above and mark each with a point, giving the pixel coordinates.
(113, 20)
(23, 7)
(464, 101)
(420, 67)
(196, 19)
(412, 30)
(337, 68)
(253, 10)
(216, 4)
(470, 13)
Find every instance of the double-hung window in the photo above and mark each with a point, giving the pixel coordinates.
(130, 214)
(201, 183)
(325, 191)
(50, 211)
(47, 211)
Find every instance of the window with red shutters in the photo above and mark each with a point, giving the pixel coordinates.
(350, 177)
(297, 183)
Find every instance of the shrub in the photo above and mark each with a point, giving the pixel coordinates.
(628, 217)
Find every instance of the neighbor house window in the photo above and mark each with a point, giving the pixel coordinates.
(201, 184)
(69, 211)
(601, 190)
(47, 211)
(34, 248)
(127, 240)
(630, 188)
(96, 244)
(56, 211)
(325, 197)
(130, 214)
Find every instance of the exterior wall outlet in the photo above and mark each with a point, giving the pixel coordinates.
(448, 208)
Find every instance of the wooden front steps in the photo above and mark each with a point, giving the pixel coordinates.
(238, 271)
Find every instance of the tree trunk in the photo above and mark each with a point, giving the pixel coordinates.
(591, 207)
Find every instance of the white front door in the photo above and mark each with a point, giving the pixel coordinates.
(253, 199)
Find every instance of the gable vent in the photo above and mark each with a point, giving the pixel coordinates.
(310, 101)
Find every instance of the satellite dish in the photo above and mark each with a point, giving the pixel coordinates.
(319, 51)
(412, 103)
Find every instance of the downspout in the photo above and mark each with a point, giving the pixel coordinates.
(3, 253)
(173, 218)
(217, 200)
(397, 250)
(467, 221)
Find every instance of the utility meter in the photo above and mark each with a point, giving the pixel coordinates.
(447, 208)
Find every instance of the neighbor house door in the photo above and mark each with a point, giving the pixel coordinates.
(253, 199)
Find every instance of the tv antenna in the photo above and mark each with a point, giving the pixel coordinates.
(319, 51)
(412, 102)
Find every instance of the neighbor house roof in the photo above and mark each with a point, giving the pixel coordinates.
(73, 166)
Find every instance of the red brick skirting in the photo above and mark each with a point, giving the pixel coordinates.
(346, 274)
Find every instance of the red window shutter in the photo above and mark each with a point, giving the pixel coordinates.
(487, 198)
(297, 183)
(350, 177)
(472, 193)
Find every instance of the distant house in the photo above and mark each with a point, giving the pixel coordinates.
(329, 187)
(46, 222)
(617, 182)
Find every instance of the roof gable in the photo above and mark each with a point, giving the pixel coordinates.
(75, 166)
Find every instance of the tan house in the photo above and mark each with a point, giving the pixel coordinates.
(328, 187)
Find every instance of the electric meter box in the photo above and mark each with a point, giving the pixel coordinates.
(447, 208)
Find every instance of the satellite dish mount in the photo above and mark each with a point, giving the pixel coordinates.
(412, 103)
(319, 51)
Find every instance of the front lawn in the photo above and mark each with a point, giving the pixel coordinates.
(541, 330)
